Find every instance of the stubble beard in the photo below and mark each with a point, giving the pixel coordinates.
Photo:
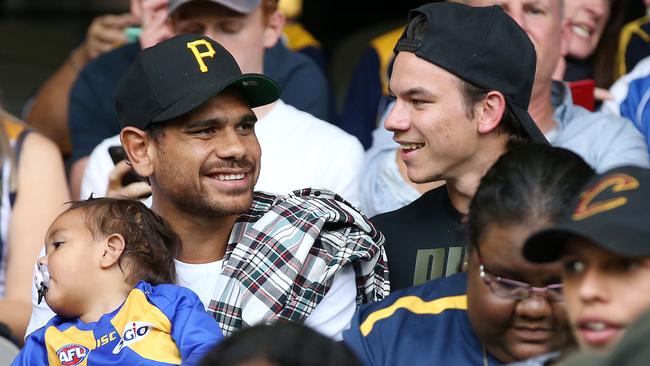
(201, 205)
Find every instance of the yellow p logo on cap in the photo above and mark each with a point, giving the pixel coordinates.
(198, 55)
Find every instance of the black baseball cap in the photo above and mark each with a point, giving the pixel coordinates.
(612, 211)
(178, 75)
(483, 46)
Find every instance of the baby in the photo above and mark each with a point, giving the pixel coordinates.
(105, 271)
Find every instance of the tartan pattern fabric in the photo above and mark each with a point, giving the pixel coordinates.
(283, 254)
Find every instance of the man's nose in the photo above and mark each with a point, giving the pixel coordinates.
(536, 306)
(592, 286)
(397, 119)
(232, 146)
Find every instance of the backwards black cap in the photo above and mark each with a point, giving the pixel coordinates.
(612, 211)
(178, 75)
(483, 46)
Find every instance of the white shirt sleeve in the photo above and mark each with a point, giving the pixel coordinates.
(100, 164)
(334, 313)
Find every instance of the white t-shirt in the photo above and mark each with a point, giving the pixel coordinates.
(330, 317)
(298, 151)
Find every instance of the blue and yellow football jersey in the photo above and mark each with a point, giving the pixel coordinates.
(423, 325)
(156, 325)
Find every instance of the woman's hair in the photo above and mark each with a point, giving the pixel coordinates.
(527, 184)
(621, 12)
(150, 245)
(281, 344)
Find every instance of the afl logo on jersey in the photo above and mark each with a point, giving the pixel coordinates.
(72, 354)
(133, 332)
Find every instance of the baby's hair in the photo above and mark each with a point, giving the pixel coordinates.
(150, 245)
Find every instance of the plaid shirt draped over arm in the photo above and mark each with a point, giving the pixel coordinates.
(283, 255)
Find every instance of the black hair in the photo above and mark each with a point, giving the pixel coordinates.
(529, 183)
(155, 131)
(150, 245)
(509, 124)
(416, 28)
(281, 344)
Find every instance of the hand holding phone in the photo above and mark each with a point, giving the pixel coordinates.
(118, 154)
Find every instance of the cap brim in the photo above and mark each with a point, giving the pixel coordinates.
(258, 90)
(528, 123)
(549, 244)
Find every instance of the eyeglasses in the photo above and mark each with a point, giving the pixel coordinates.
(511, 289)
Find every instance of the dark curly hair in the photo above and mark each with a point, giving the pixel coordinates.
(150, 245)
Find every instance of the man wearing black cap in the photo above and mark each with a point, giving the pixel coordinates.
(250, 30)
(251, 257)
(462, 85)
(601, 140)
(604, 244)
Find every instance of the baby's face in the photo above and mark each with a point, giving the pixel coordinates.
(72, 258)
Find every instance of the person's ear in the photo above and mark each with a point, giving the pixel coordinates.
(274, 26)
(113, 247)
(139, 148)
(489, 111)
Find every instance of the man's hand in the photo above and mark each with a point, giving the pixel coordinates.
(602, 95)
(105, 33)
(134, 190)
(155, 25)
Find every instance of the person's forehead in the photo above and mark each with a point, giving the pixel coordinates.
(69, 219)
(501, 250)
(502, 2)
(580, 245)
(228, 102)
(505, 3)
(411, 71)
(203, 9)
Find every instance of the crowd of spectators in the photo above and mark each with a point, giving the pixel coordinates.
(184, 190)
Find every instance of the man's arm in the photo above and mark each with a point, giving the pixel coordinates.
(49, 109)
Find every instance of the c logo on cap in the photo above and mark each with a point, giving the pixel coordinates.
(617, 183)
(194, 46)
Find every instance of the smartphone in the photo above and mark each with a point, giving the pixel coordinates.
(132, 34)
(118, 154)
